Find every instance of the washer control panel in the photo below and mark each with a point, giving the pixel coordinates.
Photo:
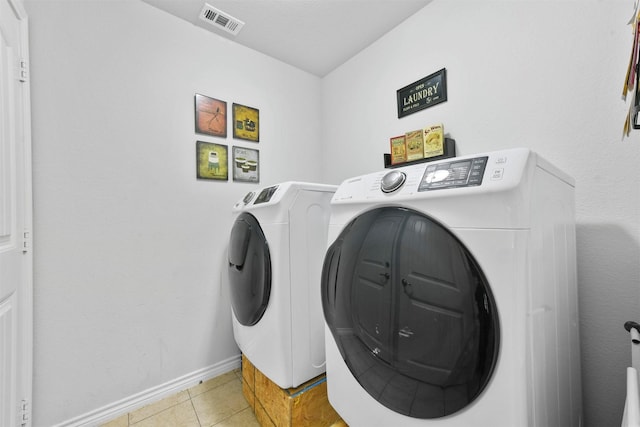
(457, 173)
(265, 195)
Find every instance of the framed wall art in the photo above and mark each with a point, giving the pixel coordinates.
(424, 93)
(212, 161)
(246, 123)
(246, 164)
(211, 116)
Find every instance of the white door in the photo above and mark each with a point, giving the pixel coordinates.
(16, 301)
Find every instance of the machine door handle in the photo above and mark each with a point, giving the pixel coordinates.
(408, 288)
(405, 332)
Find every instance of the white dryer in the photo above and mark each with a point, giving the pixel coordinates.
(275, 254)
(449, 294)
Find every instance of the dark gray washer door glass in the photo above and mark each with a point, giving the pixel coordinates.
(249, 270)
(411, 312)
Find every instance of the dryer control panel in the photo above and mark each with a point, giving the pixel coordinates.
(265, 195)
(457, 173)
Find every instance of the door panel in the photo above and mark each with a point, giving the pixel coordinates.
(8, 346)
(7, 149)
(16, 302)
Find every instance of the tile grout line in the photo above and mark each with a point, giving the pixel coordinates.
(191, 395)
(158, 413)
(194, 410)
(230, 416)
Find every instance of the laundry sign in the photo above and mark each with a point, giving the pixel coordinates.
(424, 93)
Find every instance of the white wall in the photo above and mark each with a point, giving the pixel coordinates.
(538, 74)
(129, 245)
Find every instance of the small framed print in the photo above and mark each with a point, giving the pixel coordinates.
(246, 164)
(246, 123)
(398, 149)
(211, 116)
(212, 161)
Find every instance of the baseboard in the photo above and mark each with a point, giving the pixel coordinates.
(116, 409)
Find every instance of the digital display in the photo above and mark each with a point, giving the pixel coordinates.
(464, 173)
(265, 195)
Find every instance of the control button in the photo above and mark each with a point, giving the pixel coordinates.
(248, 197)
(501, 160)
(392, 181)
(497, 174)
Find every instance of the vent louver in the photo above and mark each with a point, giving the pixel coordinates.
(220, 19)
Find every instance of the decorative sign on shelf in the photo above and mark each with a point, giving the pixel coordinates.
(422, 94)
(421, 145)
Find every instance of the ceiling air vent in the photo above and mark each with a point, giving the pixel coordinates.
(221, 20)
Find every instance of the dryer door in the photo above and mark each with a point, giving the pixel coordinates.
(411, 312)
(249, 270)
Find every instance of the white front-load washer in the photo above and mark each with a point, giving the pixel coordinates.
(275, 255)
(450, 297)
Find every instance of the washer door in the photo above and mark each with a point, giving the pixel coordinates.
(411, 312)
(249, 270)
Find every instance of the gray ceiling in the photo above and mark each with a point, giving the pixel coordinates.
(314, 35)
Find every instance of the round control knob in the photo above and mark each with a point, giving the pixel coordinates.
(392, 181)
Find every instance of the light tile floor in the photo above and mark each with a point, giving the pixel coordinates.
(217, 402)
